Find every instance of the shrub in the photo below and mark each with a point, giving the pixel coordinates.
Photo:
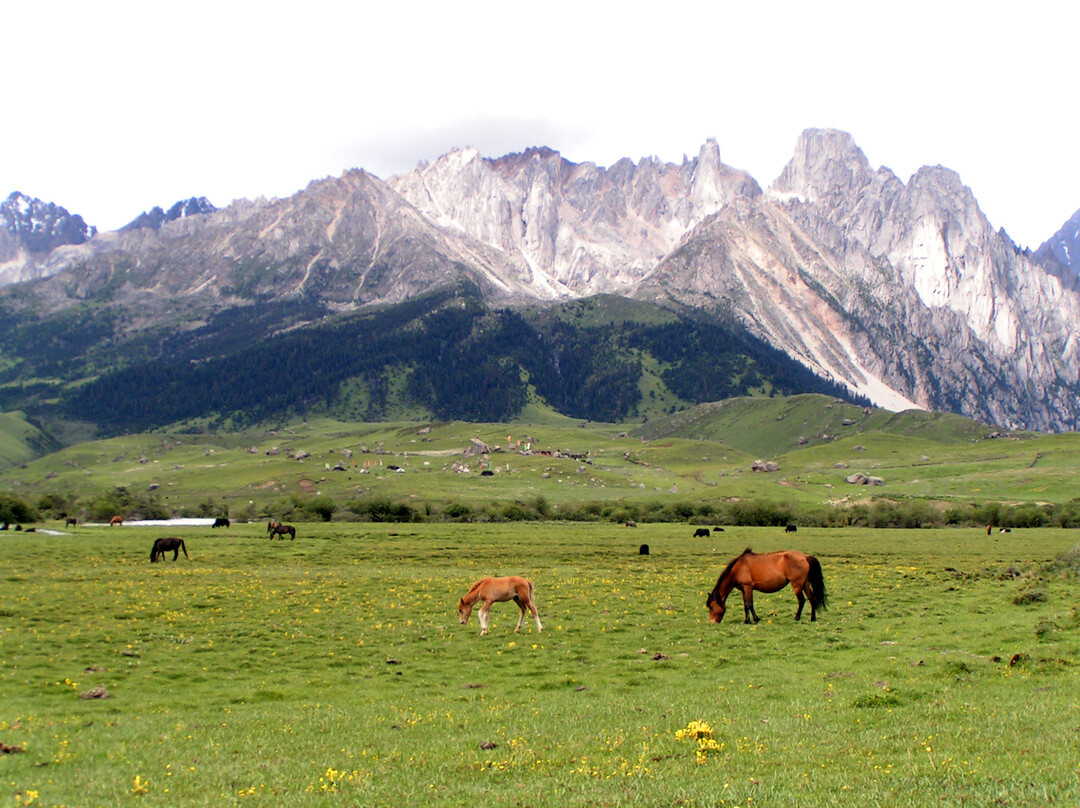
(322, 507)
(1029, 596)
(382, 510)
(14, 510)
(121, 502)
(458, 512)
(1068, 564)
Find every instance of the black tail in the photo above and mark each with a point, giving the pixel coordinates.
(815, 582)
(182, 547)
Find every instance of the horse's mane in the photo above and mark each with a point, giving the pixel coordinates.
(728, 568)
(475, 586)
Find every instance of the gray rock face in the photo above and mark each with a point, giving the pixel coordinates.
(30, 229)
(990, 322)
(1064, 246)
(581, 229)
(346, 242)
(156, 217)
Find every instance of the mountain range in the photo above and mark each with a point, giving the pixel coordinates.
(837, 274)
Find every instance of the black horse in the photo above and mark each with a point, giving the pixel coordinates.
(278, 529)
(221, 521)
(163, 545)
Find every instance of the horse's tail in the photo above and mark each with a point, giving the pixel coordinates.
(182, 547)
(816, 584)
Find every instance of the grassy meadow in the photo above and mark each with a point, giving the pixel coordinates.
(699, 458)
(331, 670)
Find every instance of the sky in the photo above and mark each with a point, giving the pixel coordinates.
(114, 107)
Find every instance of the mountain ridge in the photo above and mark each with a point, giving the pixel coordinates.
(900, 292)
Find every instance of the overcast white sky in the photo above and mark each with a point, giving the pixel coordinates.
(111, 108)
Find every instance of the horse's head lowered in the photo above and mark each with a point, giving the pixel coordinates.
(717, 607)
(464, 611)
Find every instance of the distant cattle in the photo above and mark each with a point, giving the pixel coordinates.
(71, 522)
(703, 532)
(221, 521)
(487, 473)
(718, 530)
(631, 523)
(116, 520)
(790, 529)
(643, 549)
(1005, 530)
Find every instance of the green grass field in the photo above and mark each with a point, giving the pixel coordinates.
(332, 670)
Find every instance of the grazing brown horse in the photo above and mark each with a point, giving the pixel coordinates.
(768, 572)
(499, 590)
(116, 520)
(278, 529)
(71, 522)
(163, 545)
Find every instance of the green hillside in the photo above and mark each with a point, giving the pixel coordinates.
(698, 466)
(20, 440)
(445, 356)
(771, 426)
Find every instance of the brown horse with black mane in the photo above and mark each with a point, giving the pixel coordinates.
(768, 572)
(499, 590)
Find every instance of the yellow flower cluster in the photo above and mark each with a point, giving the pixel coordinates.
(703, 734)
(333, 779)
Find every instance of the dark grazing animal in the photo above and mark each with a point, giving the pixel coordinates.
(768, 572)
(703, 532)
(790, 529)
(643, 549)
(163, 545)
(278, 529)
(221, 521)
(71, 522)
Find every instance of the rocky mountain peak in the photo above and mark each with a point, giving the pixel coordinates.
(1064, 245)
(578, 228)
(826, 163)
(39, 227)
(156, 217)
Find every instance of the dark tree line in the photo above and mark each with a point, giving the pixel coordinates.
(457, 359)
